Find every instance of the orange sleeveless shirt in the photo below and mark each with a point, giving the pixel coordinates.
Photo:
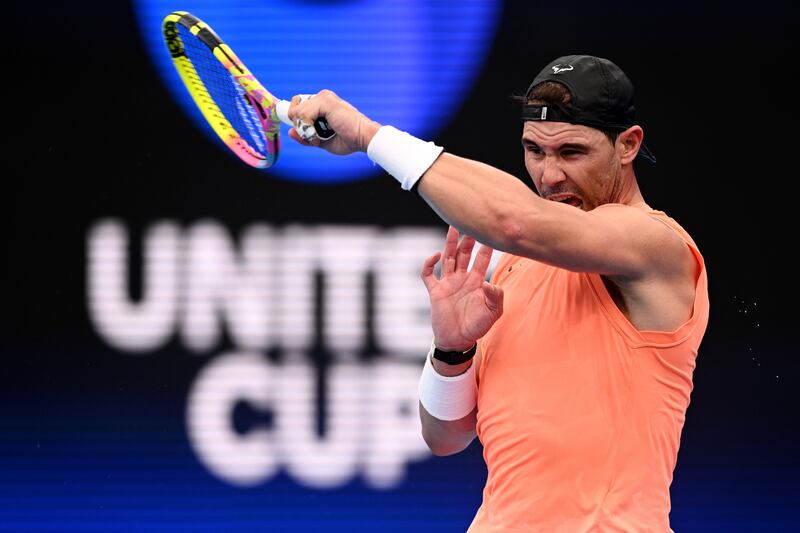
(579, 413)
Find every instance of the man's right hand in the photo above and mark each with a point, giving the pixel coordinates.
(353, 129)
(463, 305)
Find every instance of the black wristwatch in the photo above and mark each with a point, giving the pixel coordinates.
(455, 358)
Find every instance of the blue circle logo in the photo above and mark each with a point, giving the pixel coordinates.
(408, 63)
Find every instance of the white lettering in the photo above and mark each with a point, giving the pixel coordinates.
(243, 460)
(345, 255)
(134, 327)
(372, 423)
(394, 430)
(221, 285)
(402, 319)
(265, 292)
(328, 461)
(291, 289)
(297, 265)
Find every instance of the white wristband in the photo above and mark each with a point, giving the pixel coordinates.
(402, 155)
(447, 398)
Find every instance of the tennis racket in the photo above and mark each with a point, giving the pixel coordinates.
(245, 115)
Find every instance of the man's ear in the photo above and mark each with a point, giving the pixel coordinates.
(628, 143)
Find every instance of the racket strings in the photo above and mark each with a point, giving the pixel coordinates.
(195, 80)
(224, 91)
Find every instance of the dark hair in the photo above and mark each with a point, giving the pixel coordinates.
(554, 93)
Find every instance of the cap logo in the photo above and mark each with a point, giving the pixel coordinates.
(558, 69)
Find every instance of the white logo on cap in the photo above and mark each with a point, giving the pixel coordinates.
(558, 69)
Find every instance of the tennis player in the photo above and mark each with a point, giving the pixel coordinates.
(574, 365)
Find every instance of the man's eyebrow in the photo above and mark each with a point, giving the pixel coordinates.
(574, 146)
(566, 146)
(528, 142)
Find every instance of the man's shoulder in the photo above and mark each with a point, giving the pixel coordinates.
(641, 212)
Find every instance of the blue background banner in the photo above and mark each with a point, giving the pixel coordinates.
(193, 345)
(422, 59)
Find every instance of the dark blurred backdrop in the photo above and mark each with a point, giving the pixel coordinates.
(94, 436)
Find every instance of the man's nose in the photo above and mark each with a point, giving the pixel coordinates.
(552, 171)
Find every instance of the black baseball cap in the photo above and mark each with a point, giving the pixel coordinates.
(602, 95)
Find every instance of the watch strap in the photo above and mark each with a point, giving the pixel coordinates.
(455, 358)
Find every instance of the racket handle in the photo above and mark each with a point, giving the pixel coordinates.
(282, 109)
(323, 131)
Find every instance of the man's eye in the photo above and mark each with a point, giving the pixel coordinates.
(533, 149)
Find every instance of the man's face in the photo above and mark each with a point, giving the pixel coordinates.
(572, 164)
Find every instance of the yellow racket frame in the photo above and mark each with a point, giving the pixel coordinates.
(260, 98)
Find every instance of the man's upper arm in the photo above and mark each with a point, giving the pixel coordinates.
(613, 240)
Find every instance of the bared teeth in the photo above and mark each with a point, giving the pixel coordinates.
(570, 200)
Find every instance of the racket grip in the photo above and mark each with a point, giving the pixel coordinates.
(323, 131)
(282, 109)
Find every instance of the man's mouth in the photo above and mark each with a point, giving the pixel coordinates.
(566, 198)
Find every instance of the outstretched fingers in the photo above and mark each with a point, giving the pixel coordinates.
(450, 250)
(427, 274)
(482, 259)
(464, 253)
(493, 296)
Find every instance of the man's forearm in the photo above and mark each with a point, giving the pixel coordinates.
(476, 198)
(479, 200)
(446, 437)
